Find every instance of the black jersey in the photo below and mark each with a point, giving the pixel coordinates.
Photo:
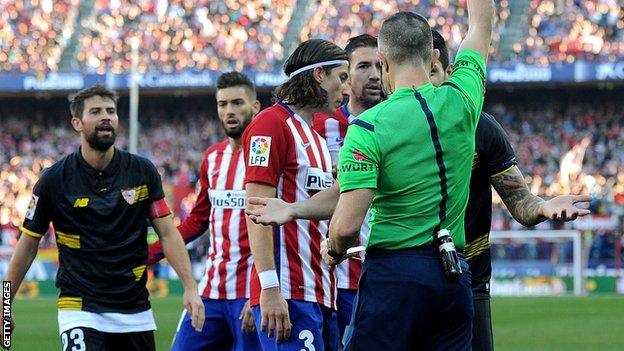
(100, 219)
(493, 155)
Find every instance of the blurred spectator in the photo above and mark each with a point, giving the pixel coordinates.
(339, 20)
(568, 30)
(33, 32)
(183, 34)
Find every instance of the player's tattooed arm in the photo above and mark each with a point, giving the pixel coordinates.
(529, 209)
(523, 206)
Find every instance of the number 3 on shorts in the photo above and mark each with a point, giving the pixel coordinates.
(308, 340)
(77, 339)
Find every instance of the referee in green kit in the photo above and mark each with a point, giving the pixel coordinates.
(409, 158)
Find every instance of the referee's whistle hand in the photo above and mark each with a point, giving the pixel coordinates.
(275, 316)
(195, 308)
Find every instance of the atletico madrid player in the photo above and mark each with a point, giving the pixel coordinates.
(220, 205)
(292, 290)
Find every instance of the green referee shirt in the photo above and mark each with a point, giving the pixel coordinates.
(392, 148)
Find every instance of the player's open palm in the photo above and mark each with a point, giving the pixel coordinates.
(275, 317)
(269, 211)
(566, 207)
(195, 307)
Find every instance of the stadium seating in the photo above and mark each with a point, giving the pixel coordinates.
(565, 31)
(32, 33)
(196, 35)
(339, 20)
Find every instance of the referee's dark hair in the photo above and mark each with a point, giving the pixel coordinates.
(303, 90)
(440, 44)
(360, 41)
(76, 101)
(406, 37)
(236, 79)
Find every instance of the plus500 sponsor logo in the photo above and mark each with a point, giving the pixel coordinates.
(316, 179)
(228, 199)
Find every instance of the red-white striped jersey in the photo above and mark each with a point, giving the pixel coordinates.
(283, 151)
(221, 205)
(334, 128)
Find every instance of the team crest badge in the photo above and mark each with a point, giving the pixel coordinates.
(129, 195)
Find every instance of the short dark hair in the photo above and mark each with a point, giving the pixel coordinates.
(235, 79)
(360, 41)
(302, 90)
(406, 36)
(76, 101)
(440, 44)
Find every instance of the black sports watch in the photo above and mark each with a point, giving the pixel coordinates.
(333, 254)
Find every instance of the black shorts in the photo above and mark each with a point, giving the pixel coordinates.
(482, 337)
(89, 339)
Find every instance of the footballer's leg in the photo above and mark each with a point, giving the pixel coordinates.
(137, 341)
(82, 338)
(242, 341)
(215, 334)
(482, 337)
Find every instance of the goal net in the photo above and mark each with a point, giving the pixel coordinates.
(537, 262)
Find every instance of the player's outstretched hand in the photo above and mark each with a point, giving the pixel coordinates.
(247, 319)
(269, 211)
(566, 207)
(275, 317)
(195, 307)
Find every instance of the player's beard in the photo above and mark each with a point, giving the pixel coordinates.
(368, 101)
(237, 132)
(101, 143)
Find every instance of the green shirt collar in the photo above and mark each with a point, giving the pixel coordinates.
(410, 91)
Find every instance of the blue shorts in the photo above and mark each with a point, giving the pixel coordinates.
(313, 328)
(345, 308)
(221, 331)
(405, 302)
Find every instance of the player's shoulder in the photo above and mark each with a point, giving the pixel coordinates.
(133, 162)
(275, 114)
(488, 125)
(372, 116)
(216, 147)
(55, 172)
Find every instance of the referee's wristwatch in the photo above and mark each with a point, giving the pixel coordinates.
(334, 254)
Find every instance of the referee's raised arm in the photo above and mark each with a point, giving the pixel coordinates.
(480, 22)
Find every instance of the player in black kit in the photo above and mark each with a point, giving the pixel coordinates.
(495, 165)
(100, 201)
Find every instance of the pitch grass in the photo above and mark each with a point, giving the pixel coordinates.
(562, 323)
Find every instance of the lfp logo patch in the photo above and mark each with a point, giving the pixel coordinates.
(259, 151)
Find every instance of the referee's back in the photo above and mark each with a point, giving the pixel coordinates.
(416, 149)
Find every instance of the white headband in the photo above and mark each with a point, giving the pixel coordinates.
(319, 64)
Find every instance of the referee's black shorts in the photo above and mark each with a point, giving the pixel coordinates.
(405, 302)
(89, 339)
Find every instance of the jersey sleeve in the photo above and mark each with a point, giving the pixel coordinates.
(39, 213)
(493, 146)
(469, 78)
(265, 148)
(358, 165)
(195, 224)
(156, 195)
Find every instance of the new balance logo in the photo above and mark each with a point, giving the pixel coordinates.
(81, 202)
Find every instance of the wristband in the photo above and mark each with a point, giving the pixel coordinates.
(268, 279)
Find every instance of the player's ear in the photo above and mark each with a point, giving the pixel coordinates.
(318, 74)
(449, 69)
(255, 107)
(435, 57)
(383, 61)
(76, 124)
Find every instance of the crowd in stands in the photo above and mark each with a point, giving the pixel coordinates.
(32, 33)
(179, 34)
(563, 145)
(568, 30)
(339, 20)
